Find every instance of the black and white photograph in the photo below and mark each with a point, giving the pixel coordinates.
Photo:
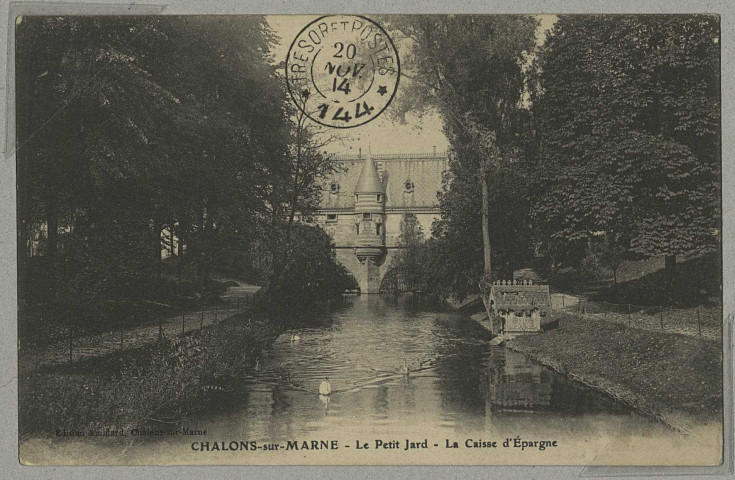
(380, 239)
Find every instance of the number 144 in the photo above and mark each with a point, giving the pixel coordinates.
(343, 114)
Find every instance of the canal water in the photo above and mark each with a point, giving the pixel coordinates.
(459, 389)
(457, 384)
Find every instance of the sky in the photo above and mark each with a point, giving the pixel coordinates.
(382, 135)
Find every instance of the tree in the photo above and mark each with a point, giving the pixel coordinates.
(408, 262)
(297, 189)
(311, 275)
(471, 69)
(627, 110)
(128, 126)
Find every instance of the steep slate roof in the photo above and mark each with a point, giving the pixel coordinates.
(423, 170)
(369, 181)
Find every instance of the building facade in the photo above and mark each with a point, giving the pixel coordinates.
(363, 203)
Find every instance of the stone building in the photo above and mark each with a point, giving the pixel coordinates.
(363, 203)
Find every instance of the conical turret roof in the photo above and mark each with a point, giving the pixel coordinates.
(369, 180)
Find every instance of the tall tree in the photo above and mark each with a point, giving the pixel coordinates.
(296, 190)
(471, 69)
(628, 114)
(130, 125)
(409, 260)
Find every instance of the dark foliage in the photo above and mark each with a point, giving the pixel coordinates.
(627, 113)
(156, 386)
(137, 134)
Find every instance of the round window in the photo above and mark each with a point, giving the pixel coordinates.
(334, 187)
(409, 186)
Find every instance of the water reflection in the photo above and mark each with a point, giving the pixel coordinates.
(519, 385)
(457, 382)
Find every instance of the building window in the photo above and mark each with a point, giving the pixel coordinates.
(331, 217)
(357, 228)
(377, 229)
(408, 185)
(367, 216)
(334, 188)
(380, 197)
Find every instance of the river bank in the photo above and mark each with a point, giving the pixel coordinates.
(674, 378)
(159, 384)
(459, 388)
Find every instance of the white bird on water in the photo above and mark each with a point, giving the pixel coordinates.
(295, 338)
(325, 388)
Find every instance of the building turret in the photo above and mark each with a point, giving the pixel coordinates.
(369, 213)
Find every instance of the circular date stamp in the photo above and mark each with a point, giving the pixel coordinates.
(342, 70)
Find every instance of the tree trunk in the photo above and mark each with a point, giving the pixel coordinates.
(486, 229)
(180, 246)
(208, 246)
(180, 253)
(52, 237)
(280, 256)
(157, 250)
(278, 253)
(25, 246)
(171, 245)
(52, 230)
(670, 268)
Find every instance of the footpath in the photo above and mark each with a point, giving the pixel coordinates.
(234, 300)
(701, 322)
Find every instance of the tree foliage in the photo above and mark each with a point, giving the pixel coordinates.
(408, 263)
(627, 112)
(471, 69)
(129, 127)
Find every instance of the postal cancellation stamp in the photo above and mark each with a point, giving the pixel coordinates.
(342, 70)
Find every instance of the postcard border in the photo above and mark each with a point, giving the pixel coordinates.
(8, 272)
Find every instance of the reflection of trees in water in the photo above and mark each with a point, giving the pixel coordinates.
(380, 406)
(461, 369)
(367, 306)
(413, 303)
(521, 383)
(571, 397)
(281, 404)
(475, 379)
(528, 385)
(280, 418)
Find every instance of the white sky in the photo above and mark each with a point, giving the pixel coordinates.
(382, 135)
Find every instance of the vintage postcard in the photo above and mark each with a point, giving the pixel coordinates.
(369, 240)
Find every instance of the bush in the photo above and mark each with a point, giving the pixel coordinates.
(311, 275)
(162, 383)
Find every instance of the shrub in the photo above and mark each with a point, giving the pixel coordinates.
(162, 384)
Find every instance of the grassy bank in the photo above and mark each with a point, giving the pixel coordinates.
(675, 378)
(160, 384)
